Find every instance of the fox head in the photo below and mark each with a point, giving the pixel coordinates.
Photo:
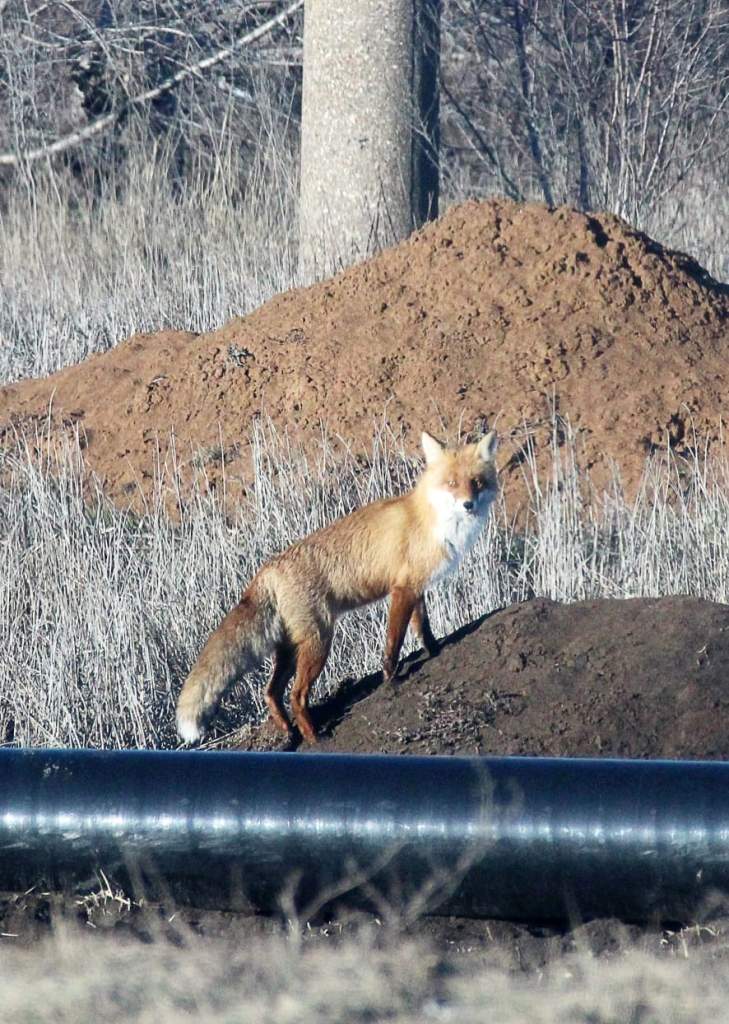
(461, 483)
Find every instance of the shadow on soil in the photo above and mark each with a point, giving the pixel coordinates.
(328, 714)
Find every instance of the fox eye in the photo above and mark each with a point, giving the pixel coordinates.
(452, 483)
(477, 483)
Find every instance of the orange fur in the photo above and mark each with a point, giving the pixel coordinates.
(396, 547)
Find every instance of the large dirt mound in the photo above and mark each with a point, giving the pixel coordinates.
(495, 311)
(631, 678)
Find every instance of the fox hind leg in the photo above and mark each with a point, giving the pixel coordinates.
(311, 657)
(283, 668)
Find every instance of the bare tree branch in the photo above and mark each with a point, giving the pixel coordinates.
(102, 123)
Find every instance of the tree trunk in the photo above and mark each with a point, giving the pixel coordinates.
(369, 141)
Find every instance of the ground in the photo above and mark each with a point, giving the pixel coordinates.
(642, 678)
(630, 678)
(498, 314)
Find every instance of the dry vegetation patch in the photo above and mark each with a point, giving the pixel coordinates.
(154, 963)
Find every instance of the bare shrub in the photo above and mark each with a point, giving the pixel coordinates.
(617, 106)
(184, 213)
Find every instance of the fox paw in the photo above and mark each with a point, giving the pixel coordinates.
(388, 671)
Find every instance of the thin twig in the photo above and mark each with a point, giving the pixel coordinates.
(102, 123)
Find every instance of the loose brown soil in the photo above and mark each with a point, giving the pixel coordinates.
(26, 920)
(496, 312)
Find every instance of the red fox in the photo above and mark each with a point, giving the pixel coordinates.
(397, 546)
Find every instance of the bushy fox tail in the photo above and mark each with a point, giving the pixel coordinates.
(243, 639)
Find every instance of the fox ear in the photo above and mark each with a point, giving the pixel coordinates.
(432, 447)
(486, 448)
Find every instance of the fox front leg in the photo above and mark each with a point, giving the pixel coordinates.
(402, 602)
(421, 625)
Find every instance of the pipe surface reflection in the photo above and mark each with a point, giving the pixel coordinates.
(520, 838)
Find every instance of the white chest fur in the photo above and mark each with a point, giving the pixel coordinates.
(455, 529)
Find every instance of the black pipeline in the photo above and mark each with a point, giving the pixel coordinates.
(519, 838)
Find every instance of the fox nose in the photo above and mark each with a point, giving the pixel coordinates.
(468, 505)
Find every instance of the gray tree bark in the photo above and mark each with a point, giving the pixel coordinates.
(369, 141)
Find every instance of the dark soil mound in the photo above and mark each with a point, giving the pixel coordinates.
(633, 678)
(495, 311)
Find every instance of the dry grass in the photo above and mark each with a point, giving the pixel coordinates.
(277, 981)
(102, 612)
(84, 265)
(86, 270)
